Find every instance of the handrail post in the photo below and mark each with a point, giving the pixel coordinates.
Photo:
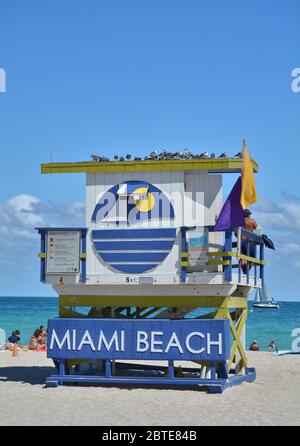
(83, 259)
(238, 249)
(255, 265)
(228, 248)
(43, 260)
(247, 262)
(183, 259)
(261, 251)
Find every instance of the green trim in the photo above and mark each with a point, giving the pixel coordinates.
(184, 264)
(222, 254)
(252, 259)
(42, 255)
(234, 254)
(230, 165)
(83, 255)
(184, 255)
(218, 262)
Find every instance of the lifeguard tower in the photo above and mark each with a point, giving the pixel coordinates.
(149, 278)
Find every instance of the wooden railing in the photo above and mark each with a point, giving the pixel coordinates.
(231, 256)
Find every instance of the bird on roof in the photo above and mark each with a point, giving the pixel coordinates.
(212, 155)
(223, 155)
(99, 159)
(137, 158)
(187, 154)
(166, 155)
(153, 155)
(203, 155)
(116, 157)
(128, 156)
(239, 155)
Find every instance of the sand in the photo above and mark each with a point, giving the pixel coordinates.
(274, 399)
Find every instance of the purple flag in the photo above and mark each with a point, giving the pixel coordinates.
(232, 214)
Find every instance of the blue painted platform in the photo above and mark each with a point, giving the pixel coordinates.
(143, 375)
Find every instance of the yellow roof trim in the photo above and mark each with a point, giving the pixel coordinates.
(218, 165)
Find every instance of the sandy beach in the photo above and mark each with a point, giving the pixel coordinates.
(272, 400)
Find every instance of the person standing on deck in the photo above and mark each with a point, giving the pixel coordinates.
(250, 225)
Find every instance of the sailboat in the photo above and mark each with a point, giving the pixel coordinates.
(264, 300)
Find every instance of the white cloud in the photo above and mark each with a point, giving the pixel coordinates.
(18, 218)
(291, 248)
(282, 217)
(19, 209)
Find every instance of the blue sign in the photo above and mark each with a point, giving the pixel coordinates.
(133, 250)
(143, 339)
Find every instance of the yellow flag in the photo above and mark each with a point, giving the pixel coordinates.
(248, 194)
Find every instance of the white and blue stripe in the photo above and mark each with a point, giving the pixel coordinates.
(134, 250)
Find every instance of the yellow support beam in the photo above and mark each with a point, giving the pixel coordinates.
(66, 312)
(153, 301)
(237, 344)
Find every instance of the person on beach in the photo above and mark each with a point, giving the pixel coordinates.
(254, 347)
(37, 341)
(250, 225)
(43, 329)
(14, 339)
(43, 333)
(273, 347)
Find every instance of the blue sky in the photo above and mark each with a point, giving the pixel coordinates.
(133, 76)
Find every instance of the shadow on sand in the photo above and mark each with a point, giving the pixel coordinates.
(28, 375)
(37, 375)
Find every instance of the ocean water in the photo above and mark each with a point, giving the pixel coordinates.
(263, 325)
(26, 314)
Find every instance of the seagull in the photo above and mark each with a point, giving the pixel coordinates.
(203, 155)
(223, 155)
(128, 156)
(162, 155)
(212, 155)
(116, 157)
(121, 158)
(153, 155)
(186, 154)
(137, 158)
(239, 155)
(99, 159)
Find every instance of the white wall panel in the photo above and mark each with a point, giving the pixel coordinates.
(168, 181)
